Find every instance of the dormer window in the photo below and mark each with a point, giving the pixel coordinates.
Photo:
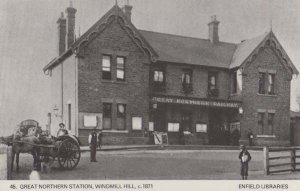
(159, 79)
(186, 80)
(158, 76)
(212, 84)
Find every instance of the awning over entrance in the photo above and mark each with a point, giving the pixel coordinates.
(196, 101)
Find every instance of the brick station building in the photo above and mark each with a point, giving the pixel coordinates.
(128, 81)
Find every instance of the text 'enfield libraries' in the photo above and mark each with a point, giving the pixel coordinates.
(196, 102)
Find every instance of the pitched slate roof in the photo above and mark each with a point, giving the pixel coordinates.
(245, 48)
(188, 50)
(180, 49)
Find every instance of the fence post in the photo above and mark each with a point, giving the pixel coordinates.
(293, 159)
(9, 161)
(266, 160)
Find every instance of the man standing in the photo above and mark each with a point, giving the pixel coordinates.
(250, 137)
(244, 157)
(93, 144)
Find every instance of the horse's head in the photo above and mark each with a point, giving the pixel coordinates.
(6, 140)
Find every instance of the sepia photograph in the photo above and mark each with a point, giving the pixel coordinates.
(150, 90)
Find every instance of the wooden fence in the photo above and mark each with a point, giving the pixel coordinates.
(5, 162)
(278, 159)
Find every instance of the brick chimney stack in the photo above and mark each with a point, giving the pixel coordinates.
(213, 30)
(127, 10)
(61, 26)
(70, 11)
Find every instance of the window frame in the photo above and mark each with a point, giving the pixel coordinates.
(120, 68)
(271, 86)
(132, 127)
(107, 116)
(271, 122)
(212, 92)
(260, 122)
(262, 83)
(234, 79)
(121, 116)
(105, 73)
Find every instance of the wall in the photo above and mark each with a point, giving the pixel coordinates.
(173, 74)
(56, 98)
(69, 91)
(252, 101)
(93, 90)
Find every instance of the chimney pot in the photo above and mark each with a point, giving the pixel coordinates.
(213, 30)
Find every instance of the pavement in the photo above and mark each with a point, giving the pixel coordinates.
(167, 147)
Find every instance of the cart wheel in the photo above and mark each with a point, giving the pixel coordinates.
(68, 154)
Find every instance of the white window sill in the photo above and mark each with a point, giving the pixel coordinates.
(115, 131)
(267, 95)
(266, 136)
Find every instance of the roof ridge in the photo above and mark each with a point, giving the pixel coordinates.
(176, 35)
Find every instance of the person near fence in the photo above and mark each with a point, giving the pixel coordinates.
(93, 141)
(244, 157)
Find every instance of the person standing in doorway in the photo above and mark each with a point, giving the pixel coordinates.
(250, 137)
(93, 141)
(244, 157)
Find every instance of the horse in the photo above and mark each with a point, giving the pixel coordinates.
(22, 145)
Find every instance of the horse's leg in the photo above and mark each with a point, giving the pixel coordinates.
(17, 161)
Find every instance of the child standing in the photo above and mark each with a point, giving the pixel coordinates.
(244, 157)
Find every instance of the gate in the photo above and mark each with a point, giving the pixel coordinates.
(278, 159)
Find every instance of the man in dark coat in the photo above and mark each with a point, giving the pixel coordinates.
(244, 157)
(93, 141)
(250, 137)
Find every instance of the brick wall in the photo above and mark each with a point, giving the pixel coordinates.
(93, 90)
(199, 81)
(252, 101)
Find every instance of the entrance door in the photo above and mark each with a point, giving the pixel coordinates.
(216, 134)
(186, 122)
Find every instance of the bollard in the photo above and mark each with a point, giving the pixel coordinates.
(266, 160)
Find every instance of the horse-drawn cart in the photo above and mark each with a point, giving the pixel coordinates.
(29, 137)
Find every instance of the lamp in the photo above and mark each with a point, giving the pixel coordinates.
(154, 105)
(55, 110)
(241, 111)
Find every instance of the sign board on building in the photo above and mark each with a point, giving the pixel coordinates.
(199, 102)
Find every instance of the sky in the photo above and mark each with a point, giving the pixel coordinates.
(28, 39)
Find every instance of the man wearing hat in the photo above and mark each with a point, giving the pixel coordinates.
(93, 141)
(244, 157)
